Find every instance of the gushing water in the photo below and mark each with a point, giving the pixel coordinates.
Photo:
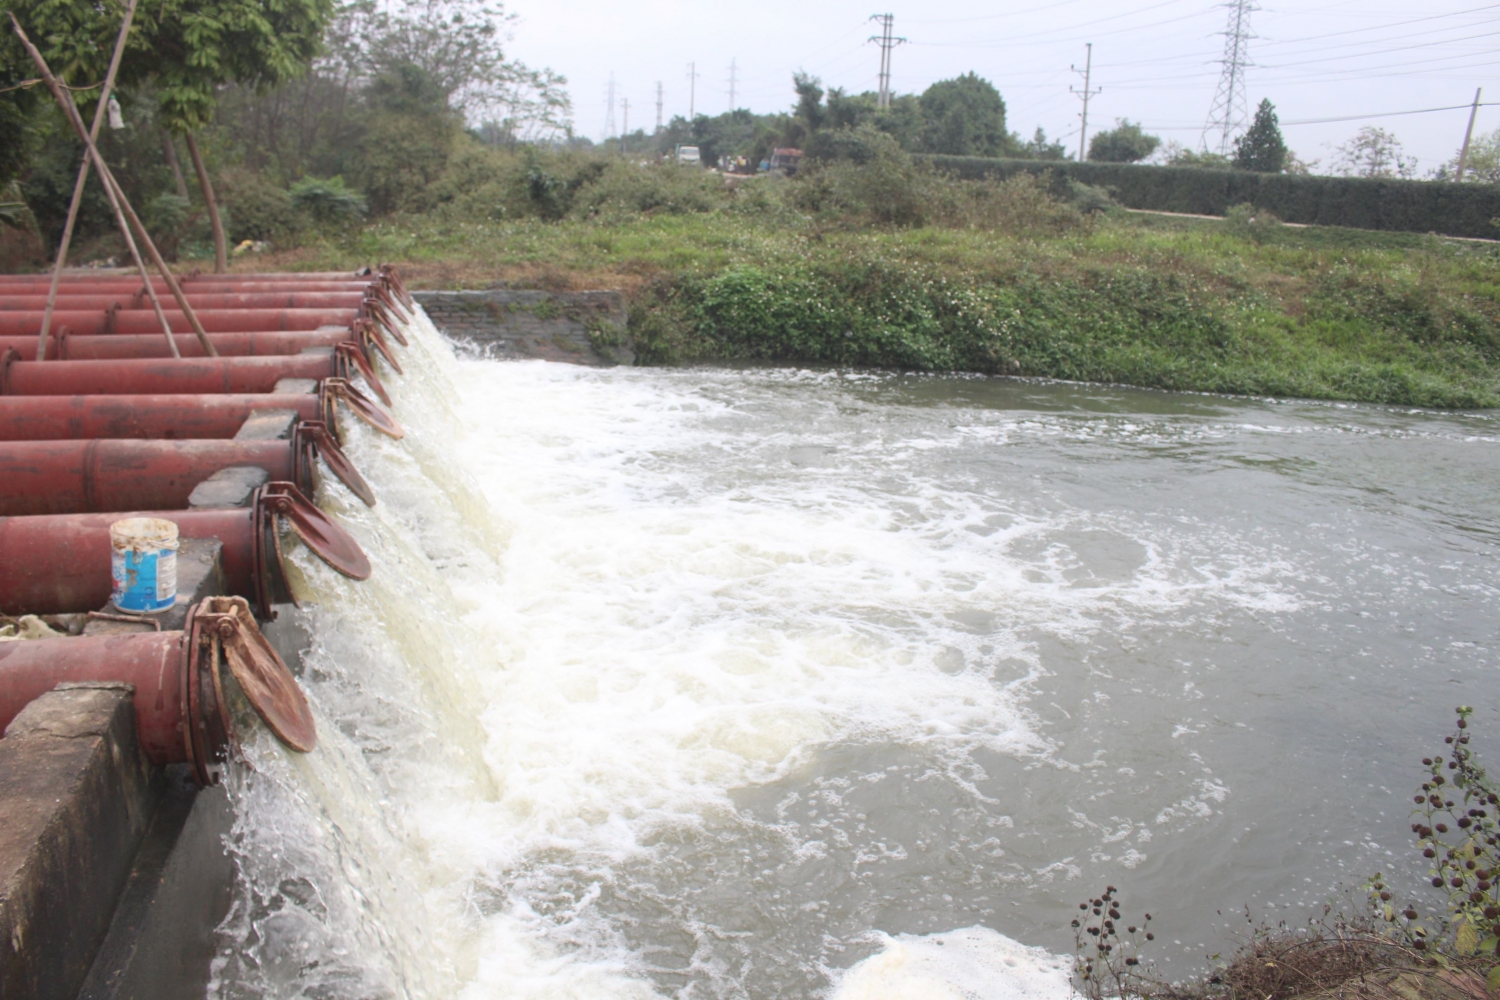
(762, 684)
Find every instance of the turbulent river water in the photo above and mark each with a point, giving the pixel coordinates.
(777, 684)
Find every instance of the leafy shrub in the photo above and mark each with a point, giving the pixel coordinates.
(1088, 198)
(1021, 205)
(327, 201)
(864, 173)
(624, 187)
(259, 209)
(1249, 222)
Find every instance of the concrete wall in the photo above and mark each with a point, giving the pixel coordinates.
(586, 328)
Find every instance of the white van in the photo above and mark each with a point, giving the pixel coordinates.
(689, 154)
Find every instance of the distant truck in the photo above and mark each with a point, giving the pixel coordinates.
(687, 154)
(786, 161)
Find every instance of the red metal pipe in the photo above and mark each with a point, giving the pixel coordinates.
(107, 474)
(90, 347)
(128, 288)
(155, 663)
(165, 417)
(201, 301)
(76, 347)
(168, 417)
(181, 714)
(110, 474)
(13, 324)
(76, 477)
(26, 346)
(187, 279)
(143, 376)
(60, 564)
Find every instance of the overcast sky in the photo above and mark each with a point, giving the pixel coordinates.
(1156, 61)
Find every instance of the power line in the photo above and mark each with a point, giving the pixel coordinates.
(1347, 118)
(1230, 111)
(1380, 27)
(1390, 114)
(887, 42)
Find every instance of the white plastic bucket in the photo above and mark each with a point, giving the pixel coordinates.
(143, 562)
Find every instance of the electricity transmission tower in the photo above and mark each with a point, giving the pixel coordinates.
(692, 75)
(1088, 77)
(1230, 114)
(733, 80)
(609, 119)
(887, 42)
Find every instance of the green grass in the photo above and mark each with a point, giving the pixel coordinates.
(1142, 300)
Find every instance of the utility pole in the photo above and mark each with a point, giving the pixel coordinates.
(1087, 94)
(887, 41)
(609, 119)
(625, 102)
(1463, 154)
(733, 80)
(658, 107)
(1230, 113)
(692, 75)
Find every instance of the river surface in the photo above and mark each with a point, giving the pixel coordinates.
(780, 684)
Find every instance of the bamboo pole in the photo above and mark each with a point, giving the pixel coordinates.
(117, 194)
(83, 175)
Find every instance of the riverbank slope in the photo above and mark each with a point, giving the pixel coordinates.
(1243, 306)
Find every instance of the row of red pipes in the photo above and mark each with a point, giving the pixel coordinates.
(99, 422)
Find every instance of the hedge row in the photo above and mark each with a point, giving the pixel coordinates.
(1356, 202)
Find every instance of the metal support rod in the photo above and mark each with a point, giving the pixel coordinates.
(118, 195)
(1463, 154)
(83, 175)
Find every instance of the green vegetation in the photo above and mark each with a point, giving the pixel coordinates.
(1125, 143)
(1261, 148)
(885, 263)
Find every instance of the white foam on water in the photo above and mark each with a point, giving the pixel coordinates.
(973, 963)
(586, 630)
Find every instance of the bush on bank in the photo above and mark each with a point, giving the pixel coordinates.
(1355, 339)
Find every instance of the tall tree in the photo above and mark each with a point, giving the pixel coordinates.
(187, 48)
(964, 116)
(1040, 148)
(199, 46)
(1125, 143)
(1374, 152)
(1262, 149)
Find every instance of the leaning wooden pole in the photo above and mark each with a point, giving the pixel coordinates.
(83, 176)
(92, 151)
(117, 193)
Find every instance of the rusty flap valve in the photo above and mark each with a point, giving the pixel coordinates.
(224, 625)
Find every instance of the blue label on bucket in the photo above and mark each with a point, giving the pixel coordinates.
(144, 581)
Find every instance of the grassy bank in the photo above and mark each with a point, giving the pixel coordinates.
(1147, 301)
